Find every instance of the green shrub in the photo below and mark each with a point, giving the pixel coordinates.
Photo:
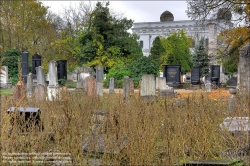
(118, 73)
(140, 66)
(12, 63)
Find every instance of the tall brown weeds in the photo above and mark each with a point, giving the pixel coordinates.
(164, 131)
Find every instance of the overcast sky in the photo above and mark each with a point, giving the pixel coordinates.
(139, 11)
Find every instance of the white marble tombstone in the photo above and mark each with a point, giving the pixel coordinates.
(53, 89)
(147, 87)
(4, 75)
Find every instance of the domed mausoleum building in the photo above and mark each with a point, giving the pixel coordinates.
(148, 31)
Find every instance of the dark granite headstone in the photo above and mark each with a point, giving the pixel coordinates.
(232, 81)
(25, 66)
(36, 61)
(172, 73)
(32, 116)
(195, 76)
(61, 70)
(215, 74)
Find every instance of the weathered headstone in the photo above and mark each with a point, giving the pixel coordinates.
(52, 75)
(111, 86)
(208, 87)
(91, 86)
(147, 87)
(39, 92)
(195, 76)
(40, 75)
(99, 73)
(4, 76)
(132, 87)
(25, 66)
(53, 89)
(29, 85)
(167, 92)
(126, 87)
(19, 91)
(160, 83)
(244, 69)
(99, 88)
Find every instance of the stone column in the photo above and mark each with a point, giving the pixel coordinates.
(212, 43)
(244, 69)
(111, 86)
(29, 85)
(126, 87)
(99, 89)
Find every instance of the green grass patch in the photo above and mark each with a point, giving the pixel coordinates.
(6, 91)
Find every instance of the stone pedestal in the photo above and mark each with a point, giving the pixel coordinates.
(53, 93)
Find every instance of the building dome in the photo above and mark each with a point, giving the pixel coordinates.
(224, 14)
(167, 16)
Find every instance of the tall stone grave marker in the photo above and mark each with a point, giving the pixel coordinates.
(111, 86)
(62, 70)
(99, 73)
(53, 87)
(147, 85)
(91, 86)
(40, 75)
(132, 87)
(195, 76)
(244, 69)
(215, 74)
(25, 66)
(4, 76)
(99, 88)
(126, 87)
(29, 86)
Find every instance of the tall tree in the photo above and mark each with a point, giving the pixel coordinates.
(105, 39)
(24, 26)
(176, 45)
(200, 58)
(157, 51)
(235, 11)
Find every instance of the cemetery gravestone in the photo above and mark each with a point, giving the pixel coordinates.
(36, 61)
(53, 88)
(91, 86)
(40, 92)
(195, 76)
(160, 83)
(111, 86)
(215, 74)
(62, 70)
(25, 66)
(147, 86)
(208, 87)
(131, 86)
(29, 85)
(99, 89)
(99, 73)
(4, 76)
(40, 75)
(19, 91)
(244, 69)
(172, 73)
(126, 87)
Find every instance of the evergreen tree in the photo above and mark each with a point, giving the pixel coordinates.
(200, 58)
(157, 51)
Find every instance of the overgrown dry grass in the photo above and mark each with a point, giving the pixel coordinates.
(159, 132)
